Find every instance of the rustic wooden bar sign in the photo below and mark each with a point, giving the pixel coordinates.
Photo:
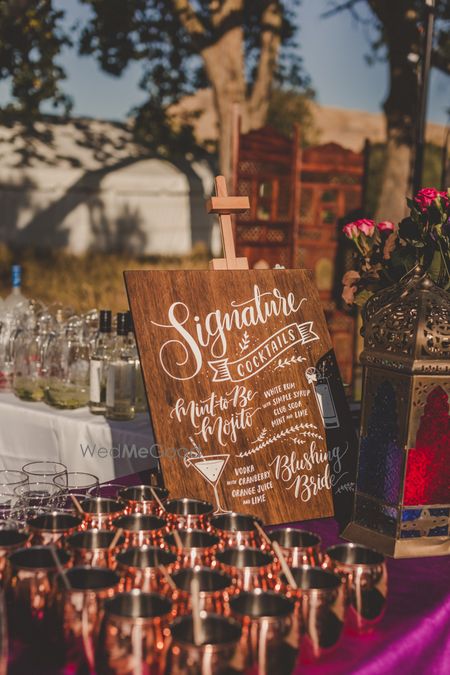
(232, 361)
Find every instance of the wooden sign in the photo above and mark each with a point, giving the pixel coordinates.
(231, 363)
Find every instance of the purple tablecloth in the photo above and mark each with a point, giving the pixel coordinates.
(412, 639)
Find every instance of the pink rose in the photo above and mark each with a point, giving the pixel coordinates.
(386, 226)
(425, 197)
(350, 230)
(444, 197)
(366, 226)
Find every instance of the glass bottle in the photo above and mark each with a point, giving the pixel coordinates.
(30, 346)
(140, 398)
(67, 366)
(15, 301)
(98, 364)
(120, 380)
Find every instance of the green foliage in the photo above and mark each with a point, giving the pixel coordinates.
(431, 173)
(155, 33)
(31, 38)
(289, 107)
(386, 252)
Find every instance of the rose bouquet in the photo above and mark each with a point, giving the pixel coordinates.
(386, 252)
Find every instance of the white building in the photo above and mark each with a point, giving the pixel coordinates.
(88, 186)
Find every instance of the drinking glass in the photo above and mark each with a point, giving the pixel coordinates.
(140, 567)
(140, 529)
(320, 609)
(269, 642)
(11, 479)
(199, 547)
(134, 635)
(45, 471)
(99, 512)
(108, 490)
(91, 548)
(36, 497)
(29, 582)
(76, 482)
(300, 547)
(140, 499)
(52, 528)
(79, 608)
(188, 513)
(236, 529)
(11, 539)
(249, 567)
(364, 575)
(218, 652)
(215, 590)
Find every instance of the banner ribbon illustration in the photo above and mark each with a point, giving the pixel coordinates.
(260, 357)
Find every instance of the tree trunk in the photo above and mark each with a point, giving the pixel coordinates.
(224, 63)
(396, 180)
(400, 27)
(271, 24)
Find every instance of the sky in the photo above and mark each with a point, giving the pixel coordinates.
(333, 51)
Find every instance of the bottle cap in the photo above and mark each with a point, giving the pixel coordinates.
(105, 321)
(16, 276)
(122, 323)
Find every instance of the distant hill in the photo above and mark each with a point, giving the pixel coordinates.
(349, 128)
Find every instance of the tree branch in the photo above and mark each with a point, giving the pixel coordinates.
(338, 7)
(271, 24)
(222, 10)
(188, 17)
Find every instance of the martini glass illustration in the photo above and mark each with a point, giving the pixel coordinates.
(211, 468)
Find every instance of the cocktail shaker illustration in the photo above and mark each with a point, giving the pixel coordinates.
(322, 391)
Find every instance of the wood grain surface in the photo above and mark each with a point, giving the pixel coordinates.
(225, 356)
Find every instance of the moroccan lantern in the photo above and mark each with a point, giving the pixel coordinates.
(402, 501)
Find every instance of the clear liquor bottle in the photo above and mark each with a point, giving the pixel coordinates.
(16, 301)
(98, 364)
(120, 379)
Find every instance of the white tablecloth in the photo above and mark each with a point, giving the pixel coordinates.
(82, 441)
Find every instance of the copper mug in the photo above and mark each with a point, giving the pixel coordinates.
(50, 529)
(79, 608)
(320, 609)
(215, 590)
(199, 547)
(10, 540)
(99, 512)
(249, 567)
(140, 529)
(218, 653)
(188, 513)
(30, 593)
(269, 642)
(139, 567)
(134, 635)
(300, 547)
(364, 575)
(236, 529)
(92, 548)
(140, 499)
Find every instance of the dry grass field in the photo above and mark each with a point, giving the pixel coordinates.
(83, 282)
